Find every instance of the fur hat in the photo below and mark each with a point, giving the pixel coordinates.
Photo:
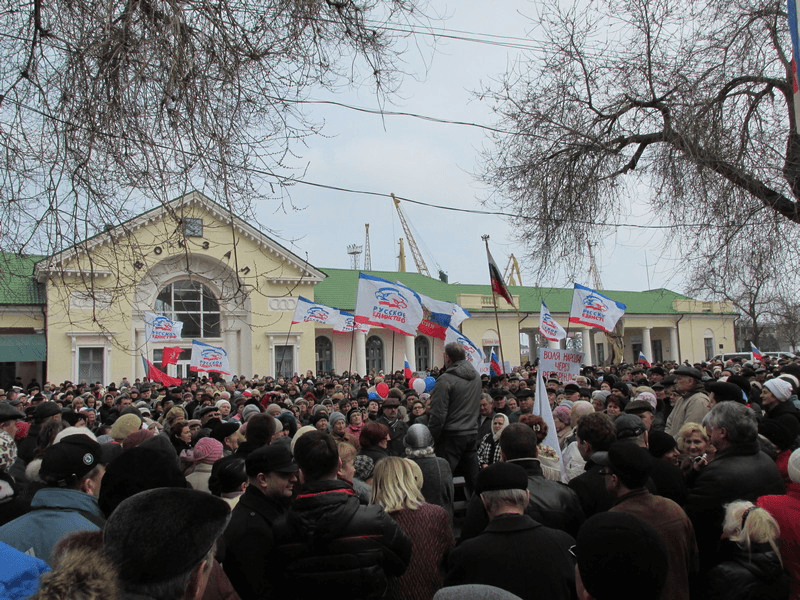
(158, 534)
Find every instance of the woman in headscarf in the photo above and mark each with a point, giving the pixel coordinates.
(489, 448)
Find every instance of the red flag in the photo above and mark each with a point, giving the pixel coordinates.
(170, 356)
(155, 375)
(498, 285)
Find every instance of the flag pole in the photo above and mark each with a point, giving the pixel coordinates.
(485, 239)
(352, 341)
(391, 368)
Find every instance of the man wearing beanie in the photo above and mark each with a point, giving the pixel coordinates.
(786, 511)
(72, 470)
(172, 557)
(272, 474)
(514, 552)
(774, 400)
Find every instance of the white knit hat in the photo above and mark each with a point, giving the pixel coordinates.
(780, 388)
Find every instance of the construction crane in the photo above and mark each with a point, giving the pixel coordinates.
(367, 253)
(511, 268)
(412, 244)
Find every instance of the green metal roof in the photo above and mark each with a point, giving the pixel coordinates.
(17, 283)
(339, 291)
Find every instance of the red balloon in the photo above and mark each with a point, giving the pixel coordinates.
(382, 389)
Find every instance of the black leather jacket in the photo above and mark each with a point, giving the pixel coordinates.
(328, 544)
(552, 504)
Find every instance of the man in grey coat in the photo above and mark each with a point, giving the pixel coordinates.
(455, 404)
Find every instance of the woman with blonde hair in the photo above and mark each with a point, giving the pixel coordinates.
(695, 448)
(396, 487)
(750, 565)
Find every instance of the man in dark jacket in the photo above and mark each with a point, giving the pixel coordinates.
(551, 503)
(455, 403)
(595, 433)
(248, 538)
(328, 541)
(739, 471)
(514, 553)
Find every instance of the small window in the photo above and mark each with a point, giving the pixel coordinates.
(193, 227)
(90, 364)
(324, 350)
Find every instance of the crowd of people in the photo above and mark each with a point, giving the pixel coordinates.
(672, 482)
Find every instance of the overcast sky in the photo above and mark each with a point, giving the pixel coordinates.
(433, 163)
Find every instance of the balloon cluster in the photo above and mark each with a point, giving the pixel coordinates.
(422, 385)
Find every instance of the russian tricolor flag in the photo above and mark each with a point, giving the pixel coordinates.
(643, 360)
(407, 368)
(756, 352)
(494, 364)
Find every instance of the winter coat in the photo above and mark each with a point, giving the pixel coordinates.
(687, 410)
(248, 542)
(19, 573)
(455, 401)
(743, 575)
(329, 544)
(552, 504)
(437, 482)
(739, 472)
(519, 555)
(55, 512)
(786, 511)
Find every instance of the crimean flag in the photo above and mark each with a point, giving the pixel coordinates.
(756, 352)
(494, 365)
(643, 360)
(498, 285)
(153, 374)
(407, 368)
(170, 356)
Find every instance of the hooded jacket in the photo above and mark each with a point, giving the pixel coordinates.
(455, 401)
(329, 543)
(743, 575)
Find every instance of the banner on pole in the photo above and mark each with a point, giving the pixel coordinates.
(158, 328)
(210, 359)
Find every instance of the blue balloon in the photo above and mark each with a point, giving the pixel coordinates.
(374, 396)
(429, 382)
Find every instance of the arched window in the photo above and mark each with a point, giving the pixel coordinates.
(374, 354)
(324, 350)
(194, 305)
(422, 353)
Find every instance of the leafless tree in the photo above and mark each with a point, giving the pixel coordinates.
(684, 106)
(108, 106)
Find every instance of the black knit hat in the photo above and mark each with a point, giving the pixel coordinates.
(159, 534)
(135, 470)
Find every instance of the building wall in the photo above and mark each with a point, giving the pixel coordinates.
(98, 299)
